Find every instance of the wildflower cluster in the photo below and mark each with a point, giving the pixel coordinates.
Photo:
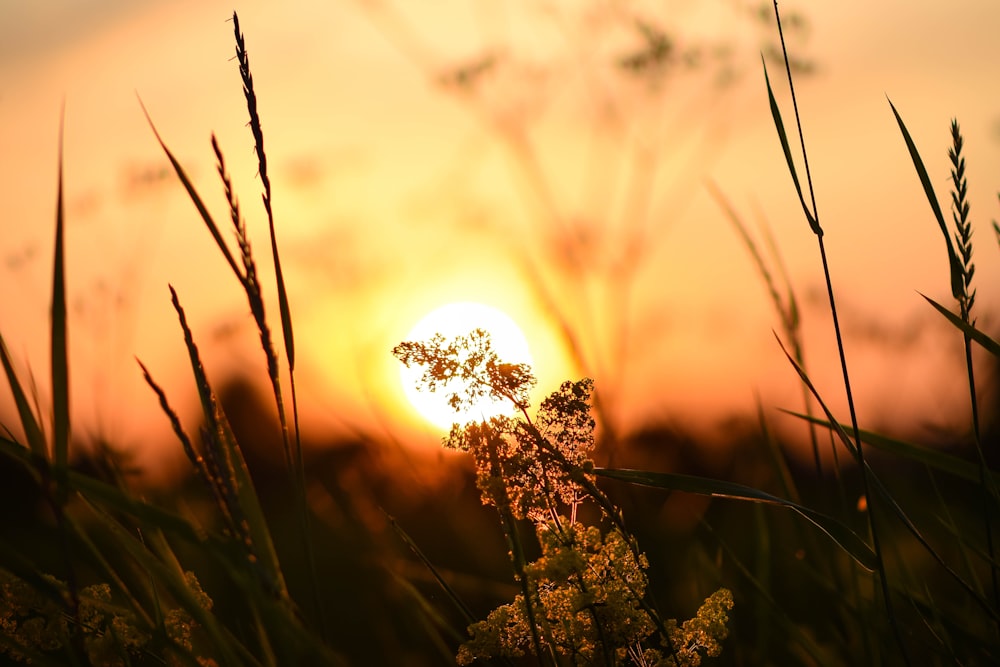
(36, 624)
(589, 588)
(584, 600)
(468, 369)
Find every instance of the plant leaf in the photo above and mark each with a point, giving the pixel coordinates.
(885, 496)
(243, 502)
(783, 138)
(60, 364)
(32, 430)
(195, 198)
(846, 538)
(972, 332)
(954, 264)
(449, 592)
(175, 583)
(931, 457)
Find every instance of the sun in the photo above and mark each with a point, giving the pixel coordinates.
(461, 319)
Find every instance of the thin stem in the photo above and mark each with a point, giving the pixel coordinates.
(513, 535)
(296, 468)
(963, 238)
(983, 474)
(876, 543)
(798, 123)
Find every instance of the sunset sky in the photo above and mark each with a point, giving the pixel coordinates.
(558, 187)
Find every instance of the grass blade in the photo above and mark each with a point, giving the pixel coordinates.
(60, 364)
(933, 458)
(969, 330)
(175, 583)
(779, 125)
(460, 605)
(241, 497)
(98, 492)
(955, 265)
(843, 536)
(884, 495)
(793, 629)
(29, 422)
(195, 197)
(297, 466)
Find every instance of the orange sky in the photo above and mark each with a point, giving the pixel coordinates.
(393, 196)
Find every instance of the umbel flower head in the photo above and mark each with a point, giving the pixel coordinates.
(528, 467)
(471, 360)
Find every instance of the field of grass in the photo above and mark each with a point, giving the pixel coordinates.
(536, 551)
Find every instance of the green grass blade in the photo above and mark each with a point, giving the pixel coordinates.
(933, 458)
(16, 452)
(243, 502)
(60, 364)
(175, 583)
(286, 316)
(460, 605)
(29, 422)
(793, 629)
(102, 566)
(955, 265)
(884, 495)
(433, 620)
(961, 538)
(838, 429)
(843, 536)
(112, 497)
(778, 462)
(948, 519)
(195, 198)
(779, 125)
(252, 511)
(969, 330)
(156, 542)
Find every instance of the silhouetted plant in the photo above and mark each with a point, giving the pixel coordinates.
(585, 598)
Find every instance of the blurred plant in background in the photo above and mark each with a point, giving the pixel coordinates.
(632, 90)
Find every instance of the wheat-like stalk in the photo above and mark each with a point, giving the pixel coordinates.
(963, 239)
(960, 215)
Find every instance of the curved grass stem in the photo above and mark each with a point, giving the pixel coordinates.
(812, 216)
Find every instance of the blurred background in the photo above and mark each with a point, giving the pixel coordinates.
(549, 159)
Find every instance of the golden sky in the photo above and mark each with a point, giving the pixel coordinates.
(560, 189)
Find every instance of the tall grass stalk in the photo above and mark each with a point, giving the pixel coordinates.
(963, 239)
(248, 278)
(812, 216)
(296, 463)
(59, 460)
(962, 269)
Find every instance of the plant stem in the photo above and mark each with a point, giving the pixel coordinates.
(876, 545)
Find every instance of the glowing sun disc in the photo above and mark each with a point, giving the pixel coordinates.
(461, 319)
